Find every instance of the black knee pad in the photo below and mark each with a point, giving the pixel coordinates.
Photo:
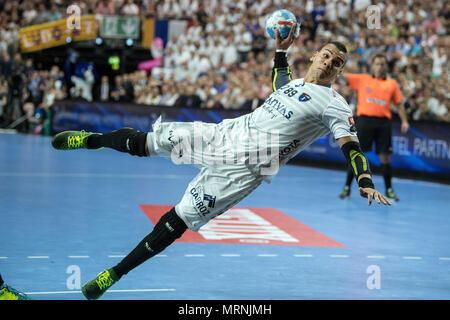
(135, 142)
(169, 228)
(126, 140)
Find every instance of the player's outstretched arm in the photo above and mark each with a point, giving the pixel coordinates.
(358, 161)
(281, 73)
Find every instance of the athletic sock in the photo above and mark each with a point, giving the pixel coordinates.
(169, 228)
(123, 140)
(387, 174)
(350, 177)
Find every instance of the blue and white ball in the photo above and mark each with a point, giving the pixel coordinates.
(283, 20)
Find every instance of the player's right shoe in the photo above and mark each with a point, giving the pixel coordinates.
(71, 140)
(9, 293)
(94, 289)
(345, 192)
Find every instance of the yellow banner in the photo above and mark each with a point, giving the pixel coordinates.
(52, 34)
(148, 32)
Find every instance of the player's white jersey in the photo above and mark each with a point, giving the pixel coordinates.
(300, 113)
(290, 120)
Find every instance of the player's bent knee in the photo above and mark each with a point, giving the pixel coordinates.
(136, 143)
(169, 228)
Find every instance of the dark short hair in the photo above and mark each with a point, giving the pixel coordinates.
(378, 55)
(338, 45)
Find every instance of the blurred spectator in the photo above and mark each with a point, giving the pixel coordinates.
(130, 9)
(105, 7)
(104, 90)
(118, 92)
(170, 9)
(29, 13)
(243, 40)
(6, 65)
(219, 83)
(230, 54)
(188, 97)
(54, 13)
(3, 99)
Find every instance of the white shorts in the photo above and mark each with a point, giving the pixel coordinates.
(219, 185)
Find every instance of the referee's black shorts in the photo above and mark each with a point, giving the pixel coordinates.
(376, 129)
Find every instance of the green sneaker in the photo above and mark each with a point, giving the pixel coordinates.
(94, 289)
(70, 140)
(345, 192)
(9, 293)
(391, 194)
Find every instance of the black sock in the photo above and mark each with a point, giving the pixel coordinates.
(123, 140)
(1, 280)
(169, 228)
(386, 170)
(350, 177)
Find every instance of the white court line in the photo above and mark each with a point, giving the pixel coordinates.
(444, 258)
(303, 255)
(376, 257)
(38, 257)
(194, 255)
(267, 255)
(338, 256)
(130, 290)
(230, 255)
(3, 257)
(116, 256)
(78, 257)
(161, 256)
(412, 258)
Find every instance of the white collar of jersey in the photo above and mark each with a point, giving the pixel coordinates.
(303, 83)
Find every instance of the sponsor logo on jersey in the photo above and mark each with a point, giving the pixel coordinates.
(211, 200)
(377, 101)
(279, 107)
(289, 149)
(198, 201)
(351, 121)
(304, 97)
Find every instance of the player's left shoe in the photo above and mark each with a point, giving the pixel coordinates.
(391, 194)
(71, 140)
(9, 293)
(345, 192)
(94, 289)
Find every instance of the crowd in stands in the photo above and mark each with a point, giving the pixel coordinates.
(224, 59)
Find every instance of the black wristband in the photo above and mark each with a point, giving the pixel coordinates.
(280, 60)
(366, 183)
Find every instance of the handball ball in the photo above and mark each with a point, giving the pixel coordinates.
(283, 20)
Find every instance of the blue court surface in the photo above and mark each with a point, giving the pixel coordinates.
(67, 215)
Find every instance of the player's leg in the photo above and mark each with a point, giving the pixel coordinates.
(366, 133)
(124, 140)
(209, 194)
(168, 139)
(169, 228)
(383, 140)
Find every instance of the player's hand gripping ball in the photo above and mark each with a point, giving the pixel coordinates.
(283, 20)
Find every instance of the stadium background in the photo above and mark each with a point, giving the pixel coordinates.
(211, 56)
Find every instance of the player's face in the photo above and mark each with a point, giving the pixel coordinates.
(328, 63)
(379, 67)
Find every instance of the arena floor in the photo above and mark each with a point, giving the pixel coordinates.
(66, 216)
